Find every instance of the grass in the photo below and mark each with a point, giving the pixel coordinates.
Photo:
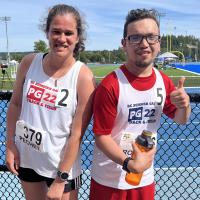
(102, 71)
(174, 74)
(178, 72)
(6, 82)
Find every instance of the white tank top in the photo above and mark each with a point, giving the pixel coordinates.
(48, 107)
(136, 111)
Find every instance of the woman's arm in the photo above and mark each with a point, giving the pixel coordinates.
(85, 90)
(14, 109)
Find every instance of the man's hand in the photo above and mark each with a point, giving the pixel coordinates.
(141, 160)
(179, 97)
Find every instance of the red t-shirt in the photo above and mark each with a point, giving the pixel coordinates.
(107, 93)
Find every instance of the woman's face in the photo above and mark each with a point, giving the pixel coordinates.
(62, 35)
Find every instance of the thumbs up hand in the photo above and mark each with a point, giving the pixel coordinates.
(181, 83)
(179, 97)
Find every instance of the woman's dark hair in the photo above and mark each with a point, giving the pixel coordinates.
(62, 9)
(138, 14)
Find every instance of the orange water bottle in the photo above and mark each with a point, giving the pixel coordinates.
(144, 142)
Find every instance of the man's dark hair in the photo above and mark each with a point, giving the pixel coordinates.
(139, 14)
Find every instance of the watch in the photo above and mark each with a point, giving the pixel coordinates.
(62, 175)
(125, 164)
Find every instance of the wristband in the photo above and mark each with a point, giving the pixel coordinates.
(125, 164)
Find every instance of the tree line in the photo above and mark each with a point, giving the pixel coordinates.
(188, 45)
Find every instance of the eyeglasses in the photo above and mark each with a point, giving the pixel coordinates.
(137, 39)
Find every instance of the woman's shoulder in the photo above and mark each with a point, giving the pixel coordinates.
(85, 72)
(27, 60)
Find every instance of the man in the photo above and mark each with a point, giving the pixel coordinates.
(128, 101)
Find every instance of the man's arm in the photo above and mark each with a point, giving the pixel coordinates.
(141, 161)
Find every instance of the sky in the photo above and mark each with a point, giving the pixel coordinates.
(105, 20)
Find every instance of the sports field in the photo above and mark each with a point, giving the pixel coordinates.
(192, 78)
(102, 70)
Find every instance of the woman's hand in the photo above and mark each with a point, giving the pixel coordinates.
(12, 158)
(56, 190)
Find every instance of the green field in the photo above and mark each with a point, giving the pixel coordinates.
(192, 80)
(6, 82)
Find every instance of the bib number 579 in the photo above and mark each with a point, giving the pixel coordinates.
(32, 135)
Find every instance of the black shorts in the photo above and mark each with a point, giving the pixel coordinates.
(29, 175)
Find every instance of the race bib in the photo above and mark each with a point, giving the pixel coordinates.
(128, 138)
(31, 136)
(64, 97)
(126, 142)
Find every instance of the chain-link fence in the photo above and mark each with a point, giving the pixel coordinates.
(177, 162)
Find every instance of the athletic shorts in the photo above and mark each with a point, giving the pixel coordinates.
(99, 192)
(29, 175)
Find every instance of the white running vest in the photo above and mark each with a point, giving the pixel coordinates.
(46, 118)
(136, 111)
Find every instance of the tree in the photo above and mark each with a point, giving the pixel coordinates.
(17, 56)
(40, 46)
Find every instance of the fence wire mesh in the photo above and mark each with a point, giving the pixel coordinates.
(177, 162)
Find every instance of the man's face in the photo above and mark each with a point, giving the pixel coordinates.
(142, 54)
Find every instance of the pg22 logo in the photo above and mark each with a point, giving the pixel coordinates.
(138, 113)
(39, 94)
(35, 93)
(56, 97)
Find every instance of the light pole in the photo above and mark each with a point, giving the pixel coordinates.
(169, 37)
(181, 47)
(159, 14)
(6, 19)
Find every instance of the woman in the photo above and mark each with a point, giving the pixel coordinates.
(49, 111)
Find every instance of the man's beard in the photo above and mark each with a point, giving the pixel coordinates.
(143, 64)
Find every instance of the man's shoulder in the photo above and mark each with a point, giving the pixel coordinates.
(167, 80)
(109, 80)
(164, 76)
